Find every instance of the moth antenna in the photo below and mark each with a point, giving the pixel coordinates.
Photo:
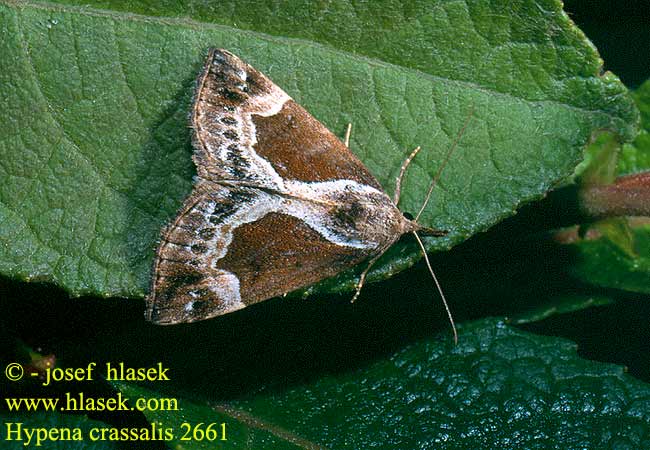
(435, 279)
(362, 278)
(402, 171)
(454, 145)
(348, 132)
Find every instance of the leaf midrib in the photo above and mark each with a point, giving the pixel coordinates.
(250, 420)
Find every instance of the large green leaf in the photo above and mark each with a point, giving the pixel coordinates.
(499, 388)
(95, 153)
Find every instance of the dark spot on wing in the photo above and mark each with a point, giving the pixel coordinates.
(241, 196)
(207, 233)
(199, 248)
(218, 74)
(222, 210)
(348, 215)
(183, 279)
(232, 95)
(198, 306)
(230, 134)
(240, 165)
(229, 205)
(252, 81)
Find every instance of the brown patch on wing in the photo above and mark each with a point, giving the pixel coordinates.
(279, 253)
(299, 147)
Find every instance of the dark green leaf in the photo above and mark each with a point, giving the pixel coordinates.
(615, 252)
(612, 253)
(635, 156)
(606, 158)
(499, 388)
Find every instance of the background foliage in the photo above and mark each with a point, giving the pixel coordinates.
(96, 158)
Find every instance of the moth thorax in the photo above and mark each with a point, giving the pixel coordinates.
(370, 218)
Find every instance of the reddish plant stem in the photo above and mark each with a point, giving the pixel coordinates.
(627, 196)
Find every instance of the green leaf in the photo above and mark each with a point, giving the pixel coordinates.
(635, 157)
(612, 253)
(615, 252)
(499, 388)
(96, 153)
(241, 430)
(606, 158)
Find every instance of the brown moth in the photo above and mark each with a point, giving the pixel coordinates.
(279, 202)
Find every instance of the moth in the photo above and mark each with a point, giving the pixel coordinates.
(279, 202)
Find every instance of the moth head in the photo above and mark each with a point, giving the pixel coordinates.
(428, 231)
(412, 225)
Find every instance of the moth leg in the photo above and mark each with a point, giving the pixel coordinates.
(362, 278)
(402, 171)
(348, 132)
